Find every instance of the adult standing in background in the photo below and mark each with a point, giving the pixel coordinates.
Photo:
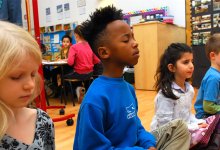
(10, 10)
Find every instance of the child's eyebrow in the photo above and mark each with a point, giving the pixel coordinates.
(126, 35)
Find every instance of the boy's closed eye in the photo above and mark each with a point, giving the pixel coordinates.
(125, 38)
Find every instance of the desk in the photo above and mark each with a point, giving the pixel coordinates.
(69, 119)
(61, 64)
(55, 63)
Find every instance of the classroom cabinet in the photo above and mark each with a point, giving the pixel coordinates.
(153, 38)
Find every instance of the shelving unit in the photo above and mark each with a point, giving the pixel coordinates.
(153, 38)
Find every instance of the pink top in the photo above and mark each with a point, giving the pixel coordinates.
(82, 58)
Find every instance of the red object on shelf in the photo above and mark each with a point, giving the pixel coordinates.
(168, 19)
(41, 99)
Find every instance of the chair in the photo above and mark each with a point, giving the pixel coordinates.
(70, 83)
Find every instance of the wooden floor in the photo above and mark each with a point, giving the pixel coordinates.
(64, 135)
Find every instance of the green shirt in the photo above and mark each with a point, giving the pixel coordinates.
(211, 107)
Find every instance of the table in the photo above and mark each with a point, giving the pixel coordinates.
(61, 64)
(68, 117)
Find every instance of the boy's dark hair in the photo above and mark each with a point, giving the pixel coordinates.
(163, 76)
(67, 36)
(77, 30)
(213, 44)
(93, 30)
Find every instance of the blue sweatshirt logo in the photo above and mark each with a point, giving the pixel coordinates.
(131, 111)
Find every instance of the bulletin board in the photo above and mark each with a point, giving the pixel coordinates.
(52, 41)
(51, 36)
(205, 20)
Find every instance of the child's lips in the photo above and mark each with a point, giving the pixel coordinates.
(26, 97)
(136, 53)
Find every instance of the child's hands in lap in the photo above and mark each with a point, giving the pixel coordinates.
(203, 125)
(152, 148)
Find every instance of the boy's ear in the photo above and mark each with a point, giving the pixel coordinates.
(104, 52)
(211, 55)
(171, 67)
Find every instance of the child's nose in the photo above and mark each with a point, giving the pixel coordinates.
(191, 65)
(29, 84)
(135, 44)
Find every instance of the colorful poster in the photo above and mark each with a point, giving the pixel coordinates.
(67, 10)
(216, 5)
(81, 3)
(200, 38)
(48, 15)
(216, 20)
(201, 22)
(82, 10)
(60, 12)
(201, 6)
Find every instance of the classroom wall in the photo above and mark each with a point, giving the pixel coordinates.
(177, 9)
(75, 15)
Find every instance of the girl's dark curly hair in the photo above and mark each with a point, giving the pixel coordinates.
(163, 76)
(67, 36)
(93, 29)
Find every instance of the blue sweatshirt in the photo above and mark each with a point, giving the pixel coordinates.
(209, 91)
(108, 120)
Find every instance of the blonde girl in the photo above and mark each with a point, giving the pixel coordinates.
(21, 127)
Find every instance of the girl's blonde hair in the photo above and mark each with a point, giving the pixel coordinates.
(15, 44)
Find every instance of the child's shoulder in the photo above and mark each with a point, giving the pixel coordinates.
(103, 83)
(189, 86)
(37, 113)
(161, 97)
(106, 88)
(29, 113)
(42, 114)
(212, 72)
(212, 75)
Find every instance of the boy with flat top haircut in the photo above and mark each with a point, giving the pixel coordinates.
(208, 99)
(107, 117)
